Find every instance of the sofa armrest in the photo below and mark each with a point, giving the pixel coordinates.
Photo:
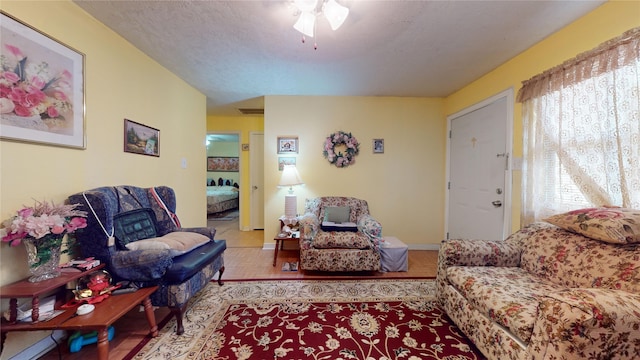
(473, 252)
(140, 265)
(309, 225)
(370, 227)
(209, 232)
(587, 323)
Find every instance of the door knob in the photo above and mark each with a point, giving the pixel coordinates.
(497, 203)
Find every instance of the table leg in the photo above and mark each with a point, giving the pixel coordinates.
(103, 344)
(13, 310)
(275, 254)
(151, 317)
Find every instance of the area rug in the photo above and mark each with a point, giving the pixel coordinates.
(305, 319)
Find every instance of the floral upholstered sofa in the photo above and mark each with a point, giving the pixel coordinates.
(349, 240)
(564, 291)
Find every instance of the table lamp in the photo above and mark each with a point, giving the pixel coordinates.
(290, 178)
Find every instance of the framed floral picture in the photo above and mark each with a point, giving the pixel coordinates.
(42, 100)
(287, 145)
(141, 139)
(223, 163)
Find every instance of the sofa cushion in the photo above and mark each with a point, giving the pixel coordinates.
(571, 260)
(337, 214)
(507, 295)
(186, 265)
(178, 242)
(133, 225)
(612, 225)
(340, 240)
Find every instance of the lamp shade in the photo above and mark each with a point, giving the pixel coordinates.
(290, 177)
(335, 13)
(306, 23)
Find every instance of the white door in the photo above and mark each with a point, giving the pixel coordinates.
(256, 159)
(478, 201)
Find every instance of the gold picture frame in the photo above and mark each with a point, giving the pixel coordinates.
(54, 114)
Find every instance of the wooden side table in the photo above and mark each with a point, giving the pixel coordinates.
(280, 244)
(104, 315)
(280, 240)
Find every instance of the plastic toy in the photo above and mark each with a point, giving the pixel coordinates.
(78, 340)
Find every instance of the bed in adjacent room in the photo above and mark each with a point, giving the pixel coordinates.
(222, 198)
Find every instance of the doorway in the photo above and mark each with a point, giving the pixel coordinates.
(478, 194)
(224, 178)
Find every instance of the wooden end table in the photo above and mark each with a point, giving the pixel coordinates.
(104, 315)
(280, 243)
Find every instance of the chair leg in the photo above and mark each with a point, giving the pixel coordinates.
(220, 282)
(178, 311)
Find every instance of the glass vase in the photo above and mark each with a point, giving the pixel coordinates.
(43, 256)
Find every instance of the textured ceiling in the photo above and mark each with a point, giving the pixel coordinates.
(236, 52)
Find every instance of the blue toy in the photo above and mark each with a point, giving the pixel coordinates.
(77, 340)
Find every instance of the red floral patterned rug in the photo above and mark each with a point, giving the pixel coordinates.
(370, 319)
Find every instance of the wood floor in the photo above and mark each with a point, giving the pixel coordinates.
(244, 260)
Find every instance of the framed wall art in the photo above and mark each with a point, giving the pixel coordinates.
(141, 139)
(45, 81)
(287, 145)
(223, 163)
(378, 146)
(285, 160)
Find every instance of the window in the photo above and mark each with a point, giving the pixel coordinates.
(582, 132)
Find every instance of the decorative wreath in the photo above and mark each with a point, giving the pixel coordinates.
(345, 142)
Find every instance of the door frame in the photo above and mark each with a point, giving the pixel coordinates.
(507, 218)
(239, 134)
(254, 156)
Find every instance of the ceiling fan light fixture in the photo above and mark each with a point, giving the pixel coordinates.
(335, 13)
(306, 23)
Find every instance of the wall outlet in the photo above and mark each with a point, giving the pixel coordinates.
(517, 163)
(183, 163)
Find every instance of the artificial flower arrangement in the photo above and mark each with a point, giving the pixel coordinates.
(343, 140)
(31, 89)
(45, 224)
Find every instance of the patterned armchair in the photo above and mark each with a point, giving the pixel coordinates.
(548, 292)
(337, 249)
(179, 274)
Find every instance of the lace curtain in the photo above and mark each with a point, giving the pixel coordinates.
(582, 132)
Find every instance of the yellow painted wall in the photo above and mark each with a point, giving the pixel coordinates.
(243, 125)
(404, 186)
(121, 82)
(606, 22)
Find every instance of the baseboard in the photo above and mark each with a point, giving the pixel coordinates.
(435, 247)
(42, 347)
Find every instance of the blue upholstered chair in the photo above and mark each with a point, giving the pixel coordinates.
(178, 275)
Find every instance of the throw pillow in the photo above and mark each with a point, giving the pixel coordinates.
(611, 225)
(177, 242)
(337, 214)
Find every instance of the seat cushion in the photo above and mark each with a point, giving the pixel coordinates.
(340, 240)
(185, 266)
(507, 295)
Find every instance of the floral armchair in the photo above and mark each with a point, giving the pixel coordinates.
(349, 245)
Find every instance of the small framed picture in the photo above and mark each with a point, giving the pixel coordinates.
(288, 145)
(245, 147)
(378, 146)
(141, 139)
(285, 160)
